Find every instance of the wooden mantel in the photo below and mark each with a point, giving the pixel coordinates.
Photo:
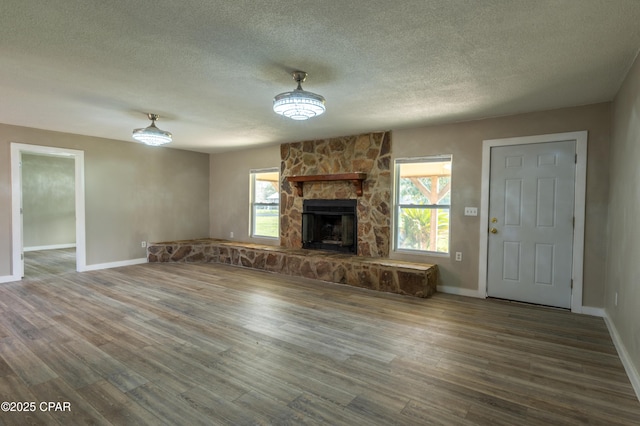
(355, 178)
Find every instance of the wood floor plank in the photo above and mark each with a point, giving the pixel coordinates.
(151, 367)
(189, 344)
(13, 389)
(24, 363)
(167, 405)
(106, 366)
(385, 409)
(326, 412)
(74, 372)
(272, 411)
(219, 409)
(115, 406)
(79, 412)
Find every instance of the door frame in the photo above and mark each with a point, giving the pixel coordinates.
(578, 206)
(17, 149)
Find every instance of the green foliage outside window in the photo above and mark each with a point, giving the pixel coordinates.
(266, 222)
(415, 229)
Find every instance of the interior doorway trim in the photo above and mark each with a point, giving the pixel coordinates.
(578, 206)
(17, 149)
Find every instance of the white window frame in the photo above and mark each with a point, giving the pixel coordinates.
(397, 205)
(252, 178)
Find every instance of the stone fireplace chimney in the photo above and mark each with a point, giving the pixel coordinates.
(367, 153)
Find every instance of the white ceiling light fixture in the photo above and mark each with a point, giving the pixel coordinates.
(299, 104)
(152, 135)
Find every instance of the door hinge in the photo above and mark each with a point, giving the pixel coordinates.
(574, 222)
(571, 284)
(576, 159)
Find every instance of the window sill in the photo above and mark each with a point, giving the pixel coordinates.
(421, 253)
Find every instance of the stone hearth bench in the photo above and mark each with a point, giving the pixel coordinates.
(382, 274)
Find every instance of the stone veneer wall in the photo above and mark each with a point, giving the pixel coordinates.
(368, 153)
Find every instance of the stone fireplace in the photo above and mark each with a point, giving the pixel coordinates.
(330, 225)
(367, 155)
(337, 184)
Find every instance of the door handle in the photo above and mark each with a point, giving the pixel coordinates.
(493, 230)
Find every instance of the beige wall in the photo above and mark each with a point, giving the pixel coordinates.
(623, 265)
(48, 201)
(464, 142)
(132, 193)
(230, 185)
(229, 191)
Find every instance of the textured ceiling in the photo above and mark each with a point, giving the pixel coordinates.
(211, 68)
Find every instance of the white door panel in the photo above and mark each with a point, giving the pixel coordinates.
(531, 197)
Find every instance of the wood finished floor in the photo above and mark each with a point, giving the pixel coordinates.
(184, 344)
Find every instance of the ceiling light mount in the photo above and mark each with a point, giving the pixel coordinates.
(299, 77)
(299, 104)
(152, 135)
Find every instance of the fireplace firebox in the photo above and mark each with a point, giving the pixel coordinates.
(330, 225)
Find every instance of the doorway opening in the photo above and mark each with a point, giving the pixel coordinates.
(77, 221)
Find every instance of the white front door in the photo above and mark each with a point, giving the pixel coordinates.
(531, 207)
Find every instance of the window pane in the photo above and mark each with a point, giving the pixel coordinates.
(417, 231)
(444, 190)
(425, 182)
(410, 191)
(413, 228)
(265, 221)
(266, 187)
(442, 238)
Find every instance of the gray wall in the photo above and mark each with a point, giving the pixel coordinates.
(623, 265)
(229, 191)
(230, 184)
(132, 193)
(48, 200)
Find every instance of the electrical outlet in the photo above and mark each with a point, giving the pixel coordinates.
(231, 234)
(458, 256)
(143, 244)
(471, 211)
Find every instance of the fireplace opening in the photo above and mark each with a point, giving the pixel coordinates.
(330, 225)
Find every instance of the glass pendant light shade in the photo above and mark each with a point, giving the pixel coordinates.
(299, 104)
(152, 135)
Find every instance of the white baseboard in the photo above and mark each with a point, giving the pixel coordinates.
(632, 373)
(49, 247)
(8, 279)
(594, 312)
(98, 266)
(460, 291)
